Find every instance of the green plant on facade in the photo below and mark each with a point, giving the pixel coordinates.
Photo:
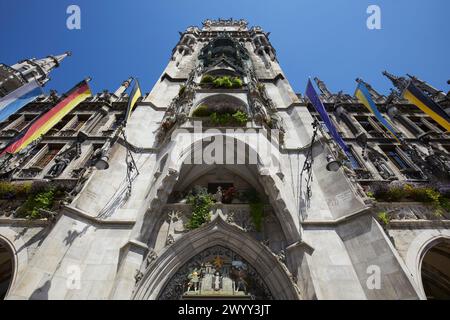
(240, 117)
(31, 208)
(256, 208)
(384, 217)
(370, 195)
(201, 111)
(10, 190)
(225, 82)
(207, 79)
(228, 118)
(408, 192)
(220, 118)
(201, 203)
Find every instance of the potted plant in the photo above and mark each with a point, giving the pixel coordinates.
(228, 195)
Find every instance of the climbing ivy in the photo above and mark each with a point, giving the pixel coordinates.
(201, 203)
(226, 82)
(227, 118)
(42, 200)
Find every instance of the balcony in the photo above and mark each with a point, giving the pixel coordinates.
(400, 215)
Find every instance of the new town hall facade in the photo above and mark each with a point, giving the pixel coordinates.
(98, 210)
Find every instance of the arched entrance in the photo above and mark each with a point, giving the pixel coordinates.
(6, 268)
(262, 173)
(435, 270)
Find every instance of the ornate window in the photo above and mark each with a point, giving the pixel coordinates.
(399, 159)
(47, 155)
(420, 124)
(369, 124)
(20, 123)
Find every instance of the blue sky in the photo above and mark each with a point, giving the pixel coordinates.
(326, 38)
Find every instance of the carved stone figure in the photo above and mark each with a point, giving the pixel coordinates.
(194, 279)
(61, 163)
(217, 281)
(219, 195)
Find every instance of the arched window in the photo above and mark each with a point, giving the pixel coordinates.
(6, 268)
(435, 271)
(222, 110)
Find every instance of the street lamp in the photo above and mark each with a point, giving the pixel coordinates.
(102, 161)
(333, 165)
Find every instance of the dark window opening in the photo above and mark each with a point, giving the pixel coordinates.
(367, 125)
(45, 159)
(212, 187)
(419, 123)
(437, 125)
(22, 123)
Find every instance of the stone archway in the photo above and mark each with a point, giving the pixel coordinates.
(159, 273)
(435, 270)
(7, 265)
(267, 175)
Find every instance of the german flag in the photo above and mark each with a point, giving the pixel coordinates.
(427, 105)
(45, 122)
(134, 96)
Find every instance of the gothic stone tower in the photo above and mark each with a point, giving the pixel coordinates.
(221, 119)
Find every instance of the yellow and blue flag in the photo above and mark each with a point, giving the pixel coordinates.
(134, 96)
(427, 105)
(363, 95)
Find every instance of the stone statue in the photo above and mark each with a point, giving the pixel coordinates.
(239, 274)
(138, 276)
(151, 256)
(217, 281)
(194, 279)
(219, 195)
(61, 163)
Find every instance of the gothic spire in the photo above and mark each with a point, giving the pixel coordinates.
(39, 69)
(323, 87)
(424, 86)
(372, 91)
(399, 82)
(123, 87)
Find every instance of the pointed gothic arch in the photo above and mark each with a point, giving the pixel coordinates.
(267, 176)
(216, 233)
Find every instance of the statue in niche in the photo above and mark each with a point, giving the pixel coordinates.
(219, 195)
(381, 165)
(194, 280)
(60, 164)
(217, 281)
(239, 273)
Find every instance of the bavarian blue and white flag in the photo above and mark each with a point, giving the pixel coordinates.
(19, 98)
